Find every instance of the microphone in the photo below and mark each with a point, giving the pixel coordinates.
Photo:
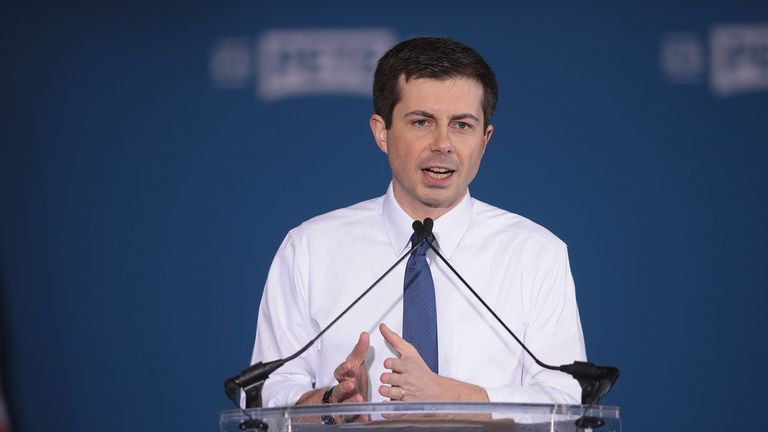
(596, 381)
(251, 380)
(423, 229)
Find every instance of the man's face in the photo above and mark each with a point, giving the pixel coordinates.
(434, 144)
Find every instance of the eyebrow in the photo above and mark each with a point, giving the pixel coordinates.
(464, 116)
(421, 113)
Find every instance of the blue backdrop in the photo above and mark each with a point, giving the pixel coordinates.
(147, 180)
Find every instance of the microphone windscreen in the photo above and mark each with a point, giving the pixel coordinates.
(418, 227)
(428, 224)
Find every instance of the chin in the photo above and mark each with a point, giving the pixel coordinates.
(439, 202)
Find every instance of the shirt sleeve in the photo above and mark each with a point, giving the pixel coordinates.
(553, 334)
(284, 326)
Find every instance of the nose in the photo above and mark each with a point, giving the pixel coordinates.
(441, 141)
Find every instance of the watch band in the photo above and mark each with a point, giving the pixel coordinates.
(328, 420)
(327, 395)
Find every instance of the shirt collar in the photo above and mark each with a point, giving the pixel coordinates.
(448, 230)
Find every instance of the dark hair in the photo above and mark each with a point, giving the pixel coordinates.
(434, 58)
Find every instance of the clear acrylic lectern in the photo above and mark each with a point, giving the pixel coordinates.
(418, 417)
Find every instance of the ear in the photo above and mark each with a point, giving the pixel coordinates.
(379, 130)
(487, 137)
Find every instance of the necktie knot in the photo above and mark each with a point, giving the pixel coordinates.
(422, 249)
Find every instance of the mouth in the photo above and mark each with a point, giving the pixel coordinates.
(438, 173)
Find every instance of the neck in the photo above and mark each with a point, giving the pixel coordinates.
(432, 213)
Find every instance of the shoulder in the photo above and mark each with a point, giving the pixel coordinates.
(341, 220)
(511, 228)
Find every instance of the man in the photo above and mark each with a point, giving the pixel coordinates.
(433, 99)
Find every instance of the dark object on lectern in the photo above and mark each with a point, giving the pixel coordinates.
(251, 381)
(596, 381)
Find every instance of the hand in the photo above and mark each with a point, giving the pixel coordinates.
(411, 379)
(352, 375)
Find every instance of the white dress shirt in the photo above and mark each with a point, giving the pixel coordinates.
(519, 268)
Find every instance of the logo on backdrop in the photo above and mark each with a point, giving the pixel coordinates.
(230, 65)
(682, 58)
(738, 58)
(296, 63)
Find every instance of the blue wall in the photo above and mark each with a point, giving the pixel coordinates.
(141, 203)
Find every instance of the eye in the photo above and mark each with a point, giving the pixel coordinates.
(421, 122)
(463, 125)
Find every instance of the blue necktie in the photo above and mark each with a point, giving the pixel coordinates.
(419, 312)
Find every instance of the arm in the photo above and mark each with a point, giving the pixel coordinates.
(553, 334)
(285, 326)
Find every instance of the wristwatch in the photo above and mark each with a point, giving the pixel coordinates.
(328, 420)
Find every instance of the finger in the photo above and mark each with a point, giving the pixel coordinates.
(346, 387)
(392, 379)
(400, 345)
(338, 393)
(342, 371)
(347, 392)
(355, 398)
(361, 347)
(395, 365)
(393, 393)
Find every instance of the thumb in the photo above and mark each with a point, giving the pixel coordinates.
(361, 347)
(400, 345)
